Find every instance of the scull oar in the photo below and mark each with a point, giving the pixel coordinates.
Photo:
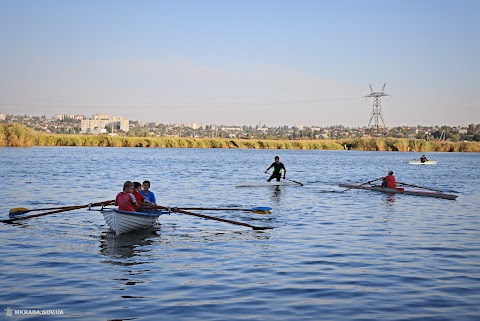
(257, 210)
(64, 209)
(22, 210)
(361, 184)
(431, 189)
(176, 210)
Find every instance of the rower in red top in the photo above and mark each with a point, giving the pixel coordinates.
(137, 188)
(391, 182)
(125, 199)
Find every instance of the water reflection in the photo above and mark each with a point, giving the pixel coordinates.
(127, 245)
(390, 199)
(277, 194)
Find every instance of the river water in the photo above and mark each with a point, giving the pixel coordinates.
(356, 255)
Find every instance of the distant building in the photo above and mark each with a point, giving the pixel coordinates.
(3, 116)
(100, 116)
(232, 128)
(97, 131)
(100, 122)
(197, 126)
(65, 116)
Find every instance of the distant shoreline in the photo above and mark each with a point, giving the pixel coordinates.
(17, 135)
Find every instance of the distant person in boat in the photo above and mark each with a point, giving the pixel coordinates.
(125, 199)
(137, 192)
(148, 195)
(389, 180)
(278, 169)
(423, 159)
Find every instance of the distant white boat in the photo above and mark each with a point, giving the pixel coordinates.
(123, 221)
(418, 162)
(265, 183)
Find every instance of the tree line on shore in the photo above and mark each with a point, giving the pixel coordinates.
(18, 135)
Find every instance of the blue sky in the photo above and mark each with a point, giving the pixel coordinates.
(243, 62)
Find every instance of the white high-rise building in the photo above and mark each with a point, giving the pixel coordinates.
(100, 122)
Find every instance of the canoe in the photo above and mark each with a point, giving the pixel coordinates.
(418, 162)
(402, 191)
(265, 183)
(123, 221)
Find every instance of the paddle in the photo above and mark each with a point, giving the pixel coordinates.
(257, 210)
(22, 210)
(361, 184)
(431, 189)
(64, 209)
(291, 180)
(176, 210)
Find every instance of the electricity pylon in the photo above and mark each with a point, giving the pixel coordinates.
(377, 107)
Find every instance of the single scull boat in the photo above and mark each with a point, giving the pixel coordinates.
(418, 162)
(402, 191)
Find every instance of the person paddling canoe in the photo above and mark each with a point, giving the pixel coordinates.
(278, 169)
(423, 159)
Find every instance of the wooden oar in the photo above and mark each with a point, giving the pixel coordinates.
(431, 189)
(361, 184)
(176, 210)
(70, 208)
(291, 180)
(22, 210)
(257, 210)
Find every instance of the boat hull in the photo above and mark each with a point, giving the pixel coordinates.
(407, 192)
(123, 221)
(418, 162)
(265, 183)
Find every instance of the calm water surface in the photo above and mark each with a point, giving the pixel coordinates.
(358, 255)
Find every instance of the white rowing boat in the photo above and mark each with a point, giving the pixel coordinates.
(265, 183)
(123, 221)
(418, 162)
(402, 191)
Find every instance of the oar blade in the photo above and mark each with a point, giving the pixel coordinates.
(18, 211)
(261, 210)
(15, 212)
(262, 228)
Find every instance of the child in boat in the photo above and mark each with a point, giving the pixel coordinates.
(125, 199)
(137, 192)
(148, 195)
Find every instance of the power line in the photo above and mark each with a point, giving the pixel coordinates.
(187, 106)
